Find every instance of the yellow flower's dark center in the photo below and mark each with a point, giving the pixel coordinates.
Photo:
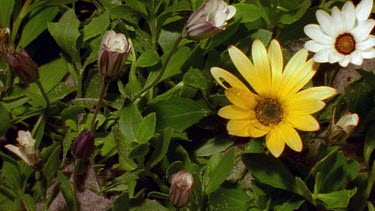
(345, 43)
(269, 112)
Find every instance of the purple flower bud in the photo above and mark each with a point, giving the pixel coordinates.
(181, 188)
(6, 45)
(210, 19)
(113, 53)
(83, 145)
(26, 68)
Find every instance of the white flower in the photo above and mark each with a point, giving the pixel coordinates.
(209, 19)
(26, 149)
(343, 37)
(341, 130)
(113, 53)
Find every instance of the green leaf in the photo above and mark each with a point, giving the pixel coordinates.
(51, 166)
(369, 144)
(182, 5)
(148, 205)
(67, 191)
(148, 59)
(269, 170)
(290, 205)
(126, 13)
(334, 172)
(195, 78)
(36, 25)
(29, 203)
(174, 65)
(335, 200)
(179, 113)
(5, 120)
(161, 147)
(123, 148)
(96, 26)
(229, 198)
(249, 12)
(213, 146)
(6, 10)
(146, 129)
(129, 121)
(139, 7)
(218, 169)
(359, 97)
(122, 202)
(139, 152)
(295, 10)
(11, 176)
(65, 32)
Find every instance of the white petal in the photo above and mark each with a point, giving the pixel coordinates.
(348, 10)
(356, 58)
(368, 54)
(366, 44)
(322, 56)
(362, 31)
(230, 12)
(325, 22)
(334, 57)
(363, 9)
(315, 33)
(338, 21)
(313, 46)
(345, 61)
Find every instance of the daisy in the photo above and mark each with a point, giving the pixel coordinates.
(277, 107)
(343, 37)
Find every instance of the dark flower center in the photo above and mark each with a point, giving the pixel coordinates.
(269, 112)
(345, 43)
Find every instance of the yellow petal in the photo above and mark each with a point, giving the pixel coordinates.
(235, 112)
(299, 79)
(238, 127)
(262, 67)
(303, 122)
(255, 131)
(276, 60)
(275, 142)
(245, 67)
(291, 137)
(318, 93)
(306, 106)
(225, 78)
(241, 98)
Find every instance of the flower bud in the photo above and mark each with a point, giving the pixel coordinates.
(83, 145)
(343, 128)
(26, 68)
(26, 150)
(210, 19)
(181, 188)
(6, 45)
(113, 53)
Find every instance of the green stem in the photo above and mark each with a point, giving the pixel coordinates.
(101, 97)
(43, 93)
(77, 165)
(161, 73)
(80, 70)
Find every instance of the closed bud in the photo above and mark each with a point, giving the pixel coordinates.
(114, 51)
(83, 145)
(181, 188)
(26, 149)
(6, 45)
(24, 65)
(210, 19)
(341, 130)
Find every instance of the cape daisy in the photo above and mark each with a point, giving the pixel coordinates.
(277, 107)
(343, 37)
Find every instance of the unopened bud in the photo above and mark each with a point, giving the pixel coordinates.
(210, 19)
(6, 45)
(113, 53)
(24, 65)
(83, 145)
(341, 130)
(181, 188)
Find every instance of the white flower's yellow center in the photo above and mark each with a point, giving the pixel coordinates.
(345, 43)
(269, 112)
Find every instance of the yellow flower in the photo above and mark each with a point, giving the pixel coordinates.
(277, 107)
